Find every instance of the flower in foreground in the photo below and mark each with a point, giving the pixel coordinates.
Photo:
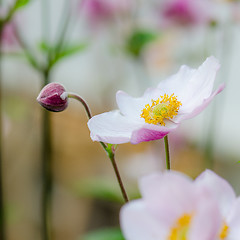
(228, 203)
(173, 207)
(160, 110)
(53, 97)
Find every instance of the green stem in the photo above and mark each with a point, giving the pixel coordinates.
(110, 153)
(63, 26)
(28, 52)
(168, 166)
(2, 212)
(45, 20)
(209, 146)
(115, 167)
(46, 169)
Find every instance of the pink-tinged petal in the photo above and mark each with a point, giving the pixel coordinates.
(173, 189)
(137, 223)
(233, 221)
(206, 218)
(111, 127)
(187, 115)
(145, 134)
(149, 185)
(220, 188)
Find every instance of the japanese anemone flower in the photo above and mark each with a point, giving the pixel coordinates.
(228, 203)
(160, 110)
(171, 208)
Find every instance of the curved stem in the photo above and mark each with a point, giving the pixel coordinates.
(80, 99)
(168, 165)
(109, 152)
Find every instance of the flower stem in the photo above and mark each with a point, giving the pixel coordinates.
(2, 212)
(46, 130)
(77, 97)
(168, 166)
(46, 170)
(109, 151)
(114, 164)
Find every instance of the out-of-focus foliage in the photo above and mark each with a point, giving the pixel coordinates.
(104, 234)
(100, 189)
(138, 40)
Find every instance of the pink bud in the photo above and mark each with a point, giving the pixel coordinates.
(53, 97)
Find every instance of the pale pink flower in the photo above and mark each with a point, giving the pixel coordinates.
(184, 12)
(228, 203)
(98, 11)
(160, 110)
(171, 208)
(8, 35)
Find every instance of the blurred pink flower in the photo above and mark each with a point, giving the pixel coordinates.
(171, 208)
(175, 207)
(228, 203)
(160, 110)
(8, 35)
(185, 12)
(98, 11)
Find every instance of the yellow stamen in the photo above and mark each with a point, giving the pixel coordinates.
(180, 229)
(224, 231)
(164, 108)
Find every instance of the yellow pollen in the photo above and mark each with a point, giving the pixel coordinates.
(165, 107)
(224, 231)
(180, 229)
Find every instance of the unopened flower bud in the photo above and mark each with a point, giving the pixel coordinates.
(53, 97)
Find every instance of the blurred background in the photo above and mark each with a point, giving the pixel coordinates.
(97, 47)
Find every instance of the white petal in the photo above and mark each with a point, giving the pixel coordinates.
(221, 189)
(111, 127)
(177, 83)
(192, 86)
(138, 224)
(132, 107)
(187, 113)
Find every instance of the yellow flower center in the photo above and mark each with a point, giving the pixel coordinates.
(180, 229)
(165, 107)
(224, 231)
